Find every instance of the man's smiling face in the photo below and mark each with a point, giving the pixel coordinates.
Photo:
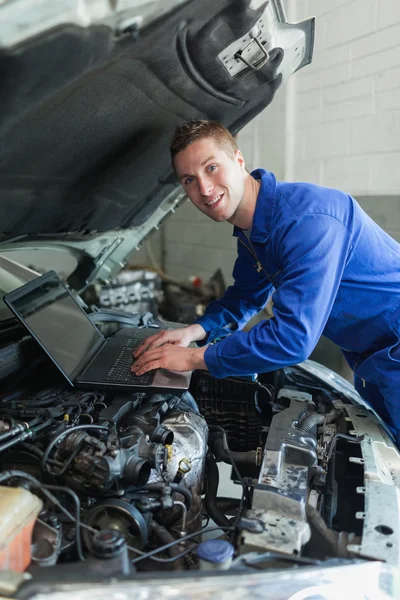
(213, 178)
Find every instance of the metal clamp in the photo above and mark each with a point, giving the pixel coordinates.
(260, 63)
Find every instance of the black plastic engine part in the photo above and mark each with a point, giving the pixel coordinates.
(231, 404)
(120, 516)
(341, 500)
(108, 543)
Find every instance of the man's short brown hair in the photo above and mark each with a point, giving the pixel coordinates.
(193, 131)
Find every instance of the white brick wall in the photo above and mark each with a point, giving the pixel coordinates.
(345, 127)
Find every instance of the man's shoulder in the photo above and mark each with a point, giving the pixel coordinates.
(299, 199)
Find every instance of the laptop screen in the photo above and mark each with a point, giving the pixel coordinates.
(53, 317)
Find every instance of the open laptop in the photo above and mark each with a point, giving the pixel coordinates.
(83, 355)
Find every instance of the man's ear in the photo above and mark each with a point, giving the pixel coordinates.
(239, 158)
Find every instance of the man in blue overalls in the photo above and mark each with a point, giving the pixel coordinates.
(332, 270)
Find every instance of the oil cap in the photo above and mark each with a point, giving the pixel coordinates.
(215, 554)
(108, 543)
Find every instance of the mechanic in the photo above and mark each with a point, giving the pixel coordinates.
(332, 270)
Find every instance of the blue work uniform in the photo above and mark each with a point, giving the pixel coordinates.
(332, 270)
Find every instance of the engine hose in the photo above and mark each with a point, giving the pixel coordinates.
(309, 422)
(158, 487)
(241, 459)
(17, 429)
(210, 499)
(331, 415)
(320, 528)
(27, 434)
(180, 489)
(165, 537)
(228, 505)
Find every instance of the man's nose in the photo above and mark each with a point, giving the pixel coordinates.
(206, 187)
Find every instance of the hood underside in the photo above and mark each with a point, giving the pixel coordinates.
(87, 112)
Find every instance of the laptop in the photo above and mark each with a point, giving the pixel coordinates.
(84, 356)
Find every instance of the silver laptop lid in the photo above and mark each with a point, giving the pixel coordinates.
(56, 321)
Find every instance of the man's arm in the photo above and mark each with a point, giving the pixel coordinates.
(168, 349)
(241, 301)
(313, 253)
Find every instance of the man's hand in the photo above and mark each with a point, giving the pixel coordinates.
(169, 356)
(178, 337)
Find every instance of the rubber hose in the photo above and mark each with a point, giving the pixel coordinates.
(164, 536)
(241, 459)
(331, 415)
(158, 487)
(310, 422)
(210, 499)
(180, 489)
(228, 505)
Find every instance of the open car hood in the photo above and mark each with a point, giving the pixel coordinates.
(91, 92)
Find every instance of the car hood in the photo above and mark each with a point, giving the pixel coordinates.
(91, 92)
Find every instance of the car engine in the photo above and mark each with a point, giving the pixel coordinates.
(131, 482)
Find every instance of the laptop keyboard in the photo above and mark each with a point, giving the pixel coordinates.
(120, 371)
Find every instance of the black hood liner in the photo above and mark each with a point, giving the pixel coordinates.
(87, 117)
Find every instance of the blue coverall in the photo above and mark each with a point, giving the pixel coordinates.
(334, 272)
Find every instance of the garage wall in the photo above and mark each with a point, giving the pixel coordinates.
(344, 120)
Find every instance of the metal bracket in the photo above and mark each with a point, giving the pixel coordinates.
(259, 63)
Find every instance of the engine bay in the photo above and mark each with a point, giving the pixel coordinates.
(130, 483)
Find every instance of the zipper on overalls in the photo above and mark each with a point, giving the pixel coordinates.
(355, 367)
(258, 266)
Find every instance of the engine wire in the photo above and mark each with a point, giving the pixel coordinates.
(207, 518)
(77, 520)
(238, 475)
(342, 436)
(55, 440)
(44, 488)
(78, 524)
(39, 453)
(178, 541)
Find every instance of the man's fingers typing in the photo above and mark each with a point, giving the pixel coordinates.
(177, 337)
(170, 356)
(149, 343)
(147, 367)
(145, 358)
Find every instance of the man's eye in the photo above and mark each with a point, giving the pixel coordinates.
(211, 167)
(188, 180)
